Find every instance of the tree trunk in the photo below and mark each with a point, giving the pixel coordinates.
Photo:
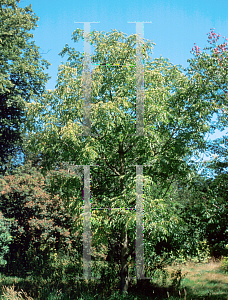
(124, 274)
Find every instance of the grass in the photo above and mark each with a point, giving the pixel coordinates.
(199, 281)
(204, 281)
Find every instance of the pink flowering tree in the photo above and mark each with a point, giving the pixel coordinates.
(209, 73)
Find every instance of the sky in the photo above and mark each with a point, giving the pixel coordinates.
(175, 26)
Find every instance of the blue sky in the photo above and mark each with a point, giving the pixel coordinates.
(176, 25)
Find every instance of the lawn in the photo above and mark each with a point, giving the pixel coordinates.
(199, 281)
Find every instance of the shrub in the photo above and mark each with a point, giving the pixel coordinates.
(5, 238)
(224, 264)
(42, 223)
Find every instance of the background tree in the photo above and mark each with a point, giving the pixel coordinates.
(208, 72)
(22, 75)
(215, 191)
(41, 225)
(210, 67)
(177, 114)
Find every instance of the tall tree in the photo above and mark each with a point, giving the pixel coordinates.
(176, 115)
(22, 75)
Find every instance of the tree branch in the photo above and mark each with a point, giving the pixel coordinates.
(112, 168)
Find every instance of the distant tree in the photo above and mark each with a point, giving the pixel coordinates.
(22, 76)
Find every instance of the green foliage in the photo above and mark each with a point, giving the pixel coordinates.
(185, 215)
(176, 119)
(207, 211)
(224, 264)
(208, 73)
(66, 266)
(22, 76)
(216, 184)
(42, 224)
(5, 238)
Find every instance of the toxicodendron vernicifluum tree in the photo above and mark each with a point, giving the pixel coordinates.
(176, 119)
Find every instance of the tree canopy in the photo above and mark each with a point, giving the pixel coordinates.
(22, 75)
(178, 109)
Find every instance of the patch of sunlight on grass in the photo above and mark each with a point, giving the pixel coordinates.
(203, 278)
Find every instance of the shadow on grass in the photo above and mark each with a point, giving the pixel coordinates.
(37, 288)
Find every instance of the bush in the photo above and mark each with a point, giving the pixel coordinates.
(224, 264)
(5, 238)
(42, 223)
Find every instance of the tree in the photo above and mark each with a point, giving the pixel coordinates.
(41, 225)
(209, 74)
(176, 116)
(22, 75)
(216, 214)
(211, 69)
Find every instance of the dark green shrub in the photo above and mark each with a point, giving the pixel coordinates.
(5, 238)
